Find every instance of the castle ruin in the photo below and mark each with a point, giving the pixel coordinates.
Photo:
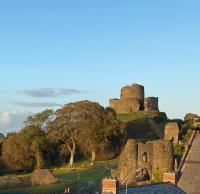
(132, 99)
(171, 132)
(138, 161)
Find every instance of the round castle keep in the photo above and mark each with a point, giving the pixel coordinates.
(134, 91)
(132, 100)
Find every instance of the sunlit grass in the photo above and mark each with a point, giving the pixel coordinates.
(68, 177)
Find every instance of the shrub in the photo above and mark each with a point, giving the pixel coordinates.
(156, 175)
(178, 150)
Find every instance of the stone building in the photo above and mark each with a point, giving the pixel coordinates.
(132, 99)
(138, 161)
(171, 132)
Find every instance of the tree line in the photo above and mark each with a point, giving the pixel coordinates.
(83, 129)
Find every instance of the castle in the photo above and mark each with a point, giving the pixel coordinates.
(133, 100)
(138, 161)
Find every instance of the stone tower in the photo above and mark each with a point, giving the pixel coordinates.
(132, 100)
(151, 103)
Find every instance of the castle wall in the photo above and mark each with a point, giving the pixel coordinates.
(125, 105)
(114, 103)
(145, 161)
(134, 91)
(128, 162)
(151, 104)
(153, 155)
(171, 132)
(162, 156)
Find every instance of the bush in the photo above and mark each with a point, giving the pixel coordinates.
(187, 136)
(178, 150)
(156, 175)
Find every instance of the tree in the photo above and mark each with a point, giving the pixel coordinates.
(19, 151)
(87, 125)
(64, 135)
(63, 130)
(40, 121)
(100, 130)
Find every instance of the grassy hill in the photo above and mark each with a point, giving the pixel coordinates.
(144, 125)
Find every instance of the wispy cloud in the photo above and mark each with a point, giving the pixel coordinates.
(37, 104)
(49, 92)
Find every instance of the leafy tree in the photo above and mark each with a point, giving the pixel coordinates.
(63, 130)
(85, 125)
(100, 131)
(19, 151)
(40, 120)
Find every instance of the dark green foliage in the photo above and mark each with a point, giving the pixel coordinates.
(19, 150)
(178, 149)
(144, 125)
(140, 129)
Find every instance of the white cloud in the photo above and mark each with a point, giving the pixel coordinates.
(12, 121)
(5, 118)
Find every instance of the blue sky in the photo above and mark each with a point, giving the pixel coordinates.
(55, 52)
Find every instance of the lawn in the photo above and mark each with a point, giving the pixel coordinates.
(69, 178)
(126, 117)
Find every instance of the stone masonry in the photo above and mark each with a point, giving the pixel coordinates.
(171, 132)
(138, 159)
(132, 99)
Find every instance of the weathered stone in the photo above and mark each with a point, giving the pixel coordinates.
(134, 91)
(128, 162)
(132, 100)
(149, 156)
(171, 132)
(151, 104)
(43, 177)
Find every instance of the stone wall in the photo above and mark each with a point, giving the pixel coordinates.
(132, 100)
(145, 150)
(134, 91)
(125, 105)
(151, 104)
(149, 156)
(162, 156)
(128, 162)
(171, 132)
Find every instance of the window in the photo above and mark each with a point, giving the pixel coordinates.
(144, 157)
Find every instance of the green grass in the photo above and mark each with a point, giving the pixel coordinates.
(126, 117)
(69, 178)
